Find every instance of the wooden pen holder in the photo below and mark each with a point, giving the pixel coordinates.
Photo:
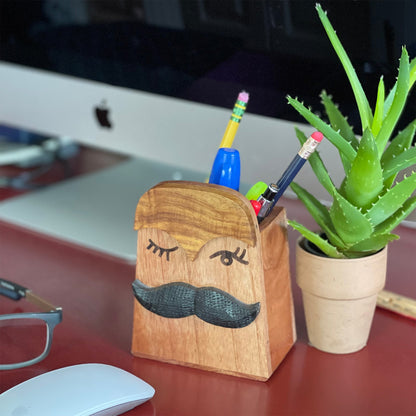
(212, 288)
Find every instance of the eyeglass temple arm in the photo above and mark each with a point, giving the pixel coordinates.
(39, 302)
(12, 290)
(16, 292)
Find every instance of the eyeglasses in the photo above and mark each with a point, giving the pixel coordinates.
(26, 338)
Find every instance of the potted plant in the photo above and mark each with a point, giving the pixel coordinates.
(369, 203)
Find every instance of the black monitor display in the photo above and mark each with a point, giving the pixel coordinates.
(206, 50)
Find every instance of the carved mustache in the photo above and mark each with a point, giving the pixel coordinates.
(212, 305)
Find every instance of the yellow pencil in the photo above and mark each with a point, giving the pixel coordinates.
(232, 127)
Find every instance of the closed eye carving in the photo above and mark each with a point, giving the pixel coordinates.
(227, 256)
(161, 250)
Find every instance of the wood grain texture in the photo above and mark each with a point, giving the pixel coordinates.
(208, 219)
(397, 303)
(195, 213)
(277, 283)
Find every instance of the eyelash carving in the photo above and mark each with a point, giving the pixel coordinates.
(227, 257)
(162, 251)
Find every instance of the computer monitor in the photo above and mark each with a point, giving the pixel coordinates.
(157, 79)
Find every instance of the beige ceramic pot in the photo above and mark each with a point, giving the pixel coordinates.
(339, 297)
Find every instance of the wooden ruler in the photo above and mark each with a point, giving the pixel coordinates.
(397, 303)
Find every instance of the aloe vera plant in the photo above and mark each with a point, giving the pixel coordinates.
(371, 201)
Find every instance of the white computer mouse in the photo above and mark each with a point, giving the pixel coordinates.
(79, 390)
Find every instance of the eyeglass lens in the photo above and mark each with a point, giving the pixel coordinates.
(25, 338)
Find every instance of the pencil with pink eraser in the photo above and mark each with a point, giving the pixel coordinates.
(236, 116)
(275, 190)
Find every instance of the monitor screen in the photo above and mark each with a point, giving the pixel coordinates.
(205, 50)
(172, 53)
(157, 79)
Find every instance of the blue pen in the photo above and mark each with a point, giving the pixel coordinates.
(272, 194)
(226, 168)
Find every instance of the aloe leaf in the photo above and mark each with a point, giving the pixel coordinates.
(365, 179)
(397, 105)
(402, 161)
(317, 165)
(319, 213)
(360, 97)
(412, 73)
(349, 222)
(399, 144)
(394, 220)
(392, 200)
(316, 239)
(334, 137)
(379, 110)
(412, 79)
(373, 243)
(338, 121)
(389, 100)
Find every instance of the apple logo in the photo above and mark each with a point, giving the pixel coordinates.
(102, 113)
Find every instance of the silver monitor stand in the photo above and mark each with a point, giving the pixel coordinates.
(94, 210)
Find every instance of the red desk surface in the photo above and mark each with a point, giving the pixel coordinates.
(95, 293)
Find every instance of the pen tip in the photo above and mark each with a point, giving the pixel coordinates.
(318, 136)
(243, 96)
